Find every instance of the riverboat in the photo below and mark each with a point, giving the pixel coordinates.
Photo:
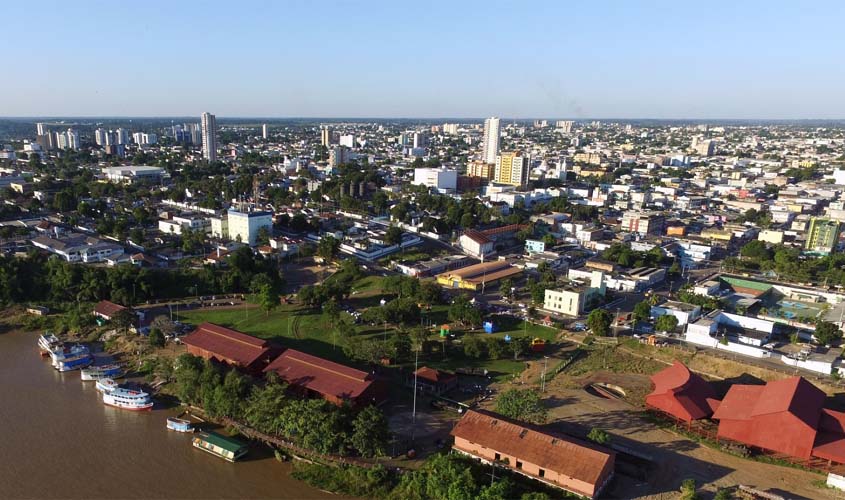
(221, 446)
(179, 425)
(128, 399)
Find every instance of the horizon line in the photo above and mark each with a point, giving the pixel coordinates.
(438, 118)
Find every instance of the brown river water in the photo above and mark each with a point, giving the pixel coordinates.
(58, 440)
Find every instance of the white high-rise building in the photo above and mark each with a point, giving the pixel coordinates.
(41, 128)
(450, 128)
(325, 135)
(100, 136)
(121, 136)
(347, 140)
(144, 139)
(61, 140)
(209, 136)
(490, 147)
(73, 139)
(264, 131)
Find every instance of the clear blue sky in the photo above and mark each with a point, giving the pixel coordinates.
(325, 58)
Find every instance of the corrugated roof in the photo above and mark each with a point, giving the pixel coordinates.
(434, 375)
(320, 375)
(228, 344)
(564, 455)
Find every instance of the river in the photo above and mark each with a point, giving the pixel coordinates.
(58, 440)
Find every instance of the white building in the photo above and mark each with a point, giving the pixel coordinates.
(442, 179)
(73, 139)
(100, 136)
(131, 174)
(347, 140)
(209, 136)
(144, 139)
(245, 226)
(490, 146)
(75, 247)
(264, 131)
(121, 136)
(683, 312)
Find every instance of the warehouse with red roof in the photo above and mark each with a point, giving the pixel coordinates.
(331, 381)
(784, 416)
(681, 394)
(231, 347)
(567, 463)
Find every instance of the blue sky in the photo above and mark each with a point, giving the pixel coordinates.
(325, 58)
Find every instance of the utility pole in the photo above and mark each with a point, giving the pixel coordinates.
(545, 366)
(414, 411)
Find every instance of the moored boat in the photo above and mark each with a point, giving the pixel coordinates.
(128, 399)
(179, 424)
(61, 352)
(73, 363)
(106, 385)
(47, 342)
(103, 371)
(222, 446)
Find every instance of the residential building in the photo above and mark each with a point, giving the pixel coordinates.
(572, 299)
(683, 312)
(264, 131)
(512, 169)
(107, 310)
(209, 136)
(100, 136)
(430, 381)
(338, 155)
(643, 223)
(482, 169)
(325, 136)
(75, 247)
(73, 139)
(490, 144)
(822, 236)
(347, 141)
(476, 244)
(564, 462)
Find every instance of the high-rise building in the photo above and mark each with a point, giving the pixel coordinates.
(143, 138)
(704, 147)
(209, 136)
(477, 168)
(264, 131)
(822, 236)
(73, 139)
(512, 168)
(195, 131)
(121, 136)
(347, 140)
(42, 129)
(490, 147)
(61, 140)
(325, 135)
(338, 155)
(450, 128)
(420, 139)
(100, 136)
(564, 126)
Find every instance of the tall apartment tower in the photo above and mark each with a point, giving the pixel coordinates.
(490, 148)
(209, 136)
(264, 131)
(73, 139)
(325, 135)
(41, 128)
(512, 168)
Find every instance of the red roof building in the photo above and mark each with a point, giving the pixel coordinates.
(107, 310)
(432, 381)
(331, 381)
(573, 465)
(785, 416)
(231, 347)
(681, 394)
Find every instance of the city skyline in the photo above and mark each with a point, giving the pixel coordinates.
(658, 61)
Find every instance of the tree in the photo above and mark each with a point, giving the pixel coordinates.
(328, 248)
(332, 310)
(688, 490)
(369, 432)
(827, 333)
(599, 322)
(642, 311)
(393, 235)
(505, 286)
(525, 405)
(156, 338)
(666, 323)
(123, 319)
(268, 298)
(599, 436)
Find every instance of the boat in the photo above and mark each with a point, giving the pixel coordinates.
(61, 352)
(103, 371)
(128, 399)
(179, 424)
(106, 385)
(222, 446)
(47, 343)
(73, 363)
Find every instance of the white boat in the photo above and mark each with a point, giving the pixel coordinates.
(106, 385)
(73, 363)
(179, 424)
(103, 371)
(61, 352)
(48, 342)
(128, 399)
